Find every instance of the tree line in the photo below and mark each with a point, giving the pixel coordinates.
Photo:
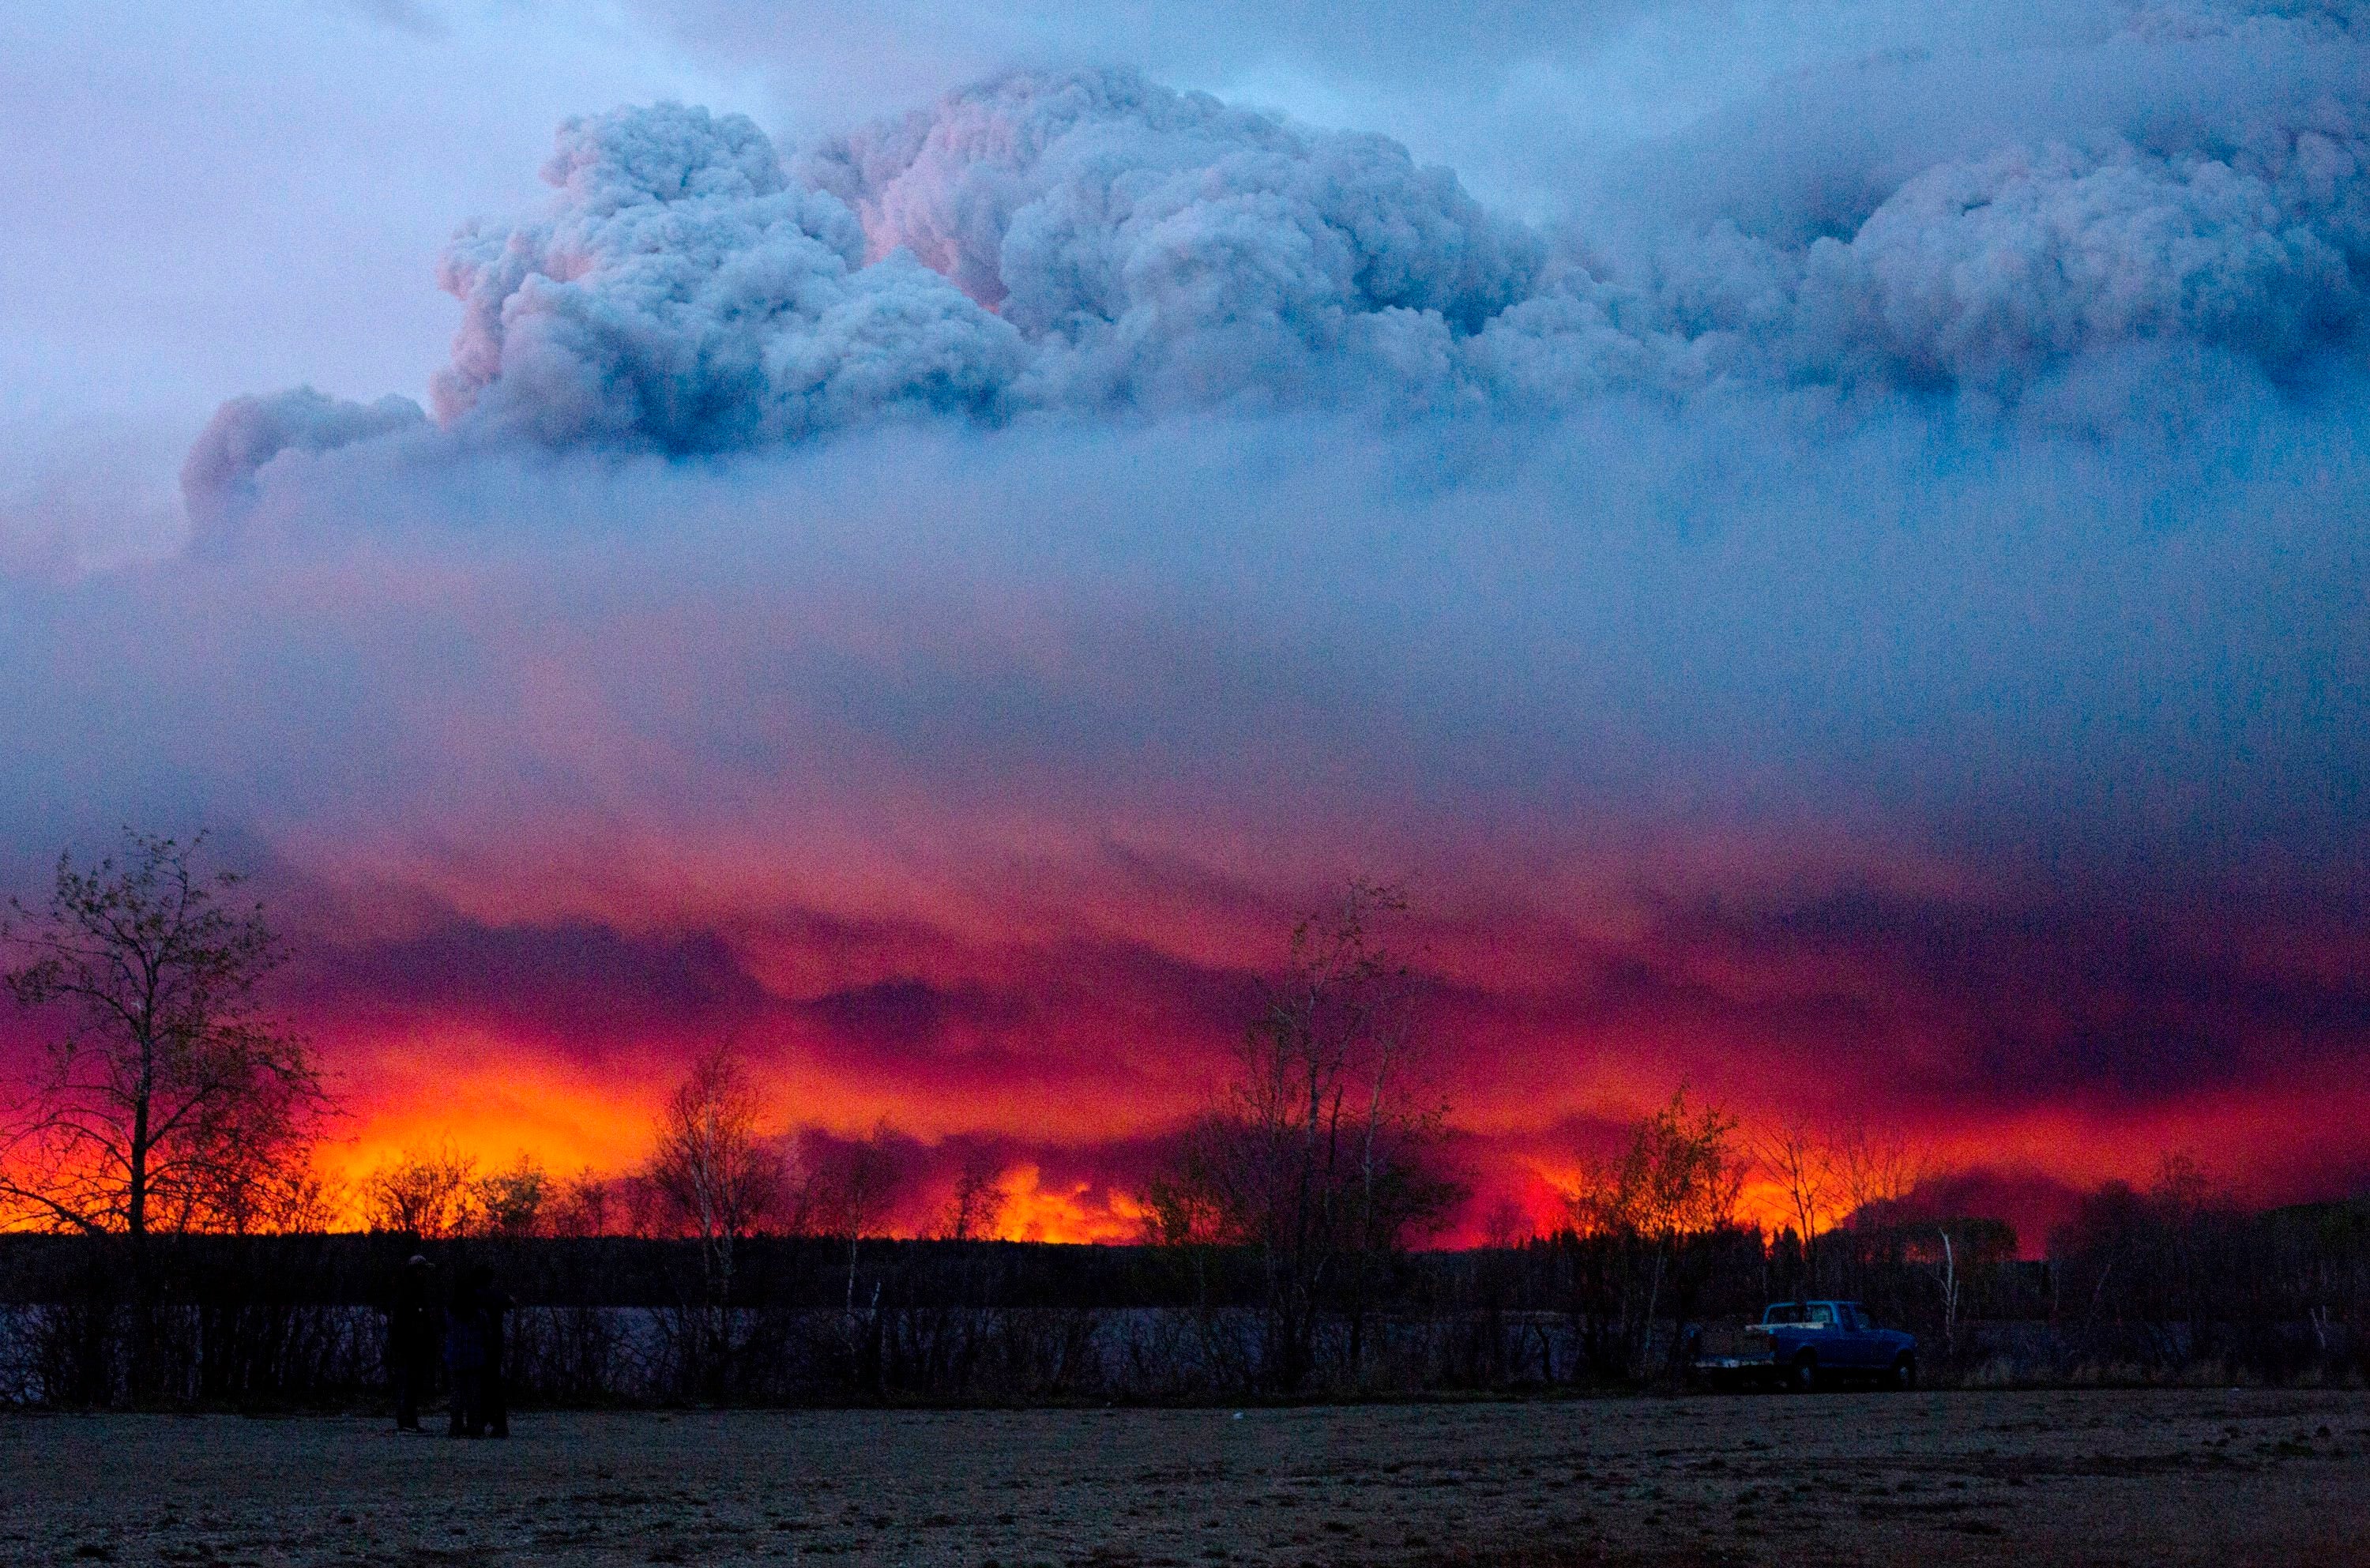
(1283, 1230)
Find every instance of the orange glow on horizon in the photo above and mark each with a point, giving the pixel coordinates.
(1069, 1212)
(493, 1114)
(497, 1105)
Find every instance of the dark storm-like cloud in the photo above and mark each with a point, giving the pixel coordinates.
(907, 1014)
(1859, 1001)
(579, 986)
(2100, 990)
(902, 1008)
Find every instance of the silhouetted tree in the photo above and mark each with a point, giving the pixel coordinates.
(430, 1191)
(1679, 1177)
(975, 1209)
(584, 1204)
(511, 1201)
(1800, 1163)
(715, 1178)
(1954, 1251)
(437, 1193)
(169, 1100)
(851, 1186)
(1324, 1156)
(1875, 1172)
(2168, 1269)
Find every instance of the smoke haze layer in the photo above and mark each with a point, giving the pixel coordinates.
(1090, 242)
(1861, 608)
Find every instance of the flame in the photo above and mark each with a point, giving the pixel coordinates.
(1075, 1211)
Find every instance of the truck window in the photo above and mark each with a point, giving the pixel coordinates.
(1818, 1314)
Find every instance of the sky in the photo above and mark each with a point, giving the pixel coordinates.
(1823, 543)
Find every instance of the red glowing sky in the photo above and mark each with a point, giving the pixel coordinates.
(1003, 867)
(1797, 630)
(1064, 1022)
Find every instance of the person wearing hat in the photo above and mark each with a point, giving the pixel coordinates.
(411, 1342)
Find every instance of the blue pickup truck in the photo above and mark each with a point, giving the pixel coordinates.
(1803, 1345)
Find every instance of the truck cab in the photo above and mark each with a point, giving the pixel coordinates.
(1804, 1345)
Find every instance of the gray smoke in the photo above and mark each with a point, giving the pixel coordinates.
(684, 295)
(1160, 249)
(1090, 245)
(1936, 482)
(218, 477)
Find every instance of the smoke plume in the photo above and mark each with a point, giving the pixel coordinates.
(1095, 244)
(1890, 544)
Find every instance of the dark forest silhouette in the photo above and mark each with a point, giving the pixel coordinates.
(164, 1224)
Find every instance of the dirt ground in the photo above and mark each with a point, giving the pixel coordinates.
(1934, 1479)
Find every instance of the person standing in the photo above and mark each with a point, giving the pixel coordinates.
(411, 1342)
(464, 1355)
(493, 1307)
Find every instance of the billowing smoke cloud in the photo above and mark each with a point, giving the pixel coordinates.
(1157, 249)
(1976, 273)
(946, 593)
(683, 297)
(1095, 244)
(218, 477)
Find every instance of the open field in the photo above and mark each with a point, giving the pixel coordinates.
(2093, 1478)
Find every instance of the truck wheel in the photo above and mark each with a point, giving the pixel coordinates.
(1802, 1377)
(1905, 1374)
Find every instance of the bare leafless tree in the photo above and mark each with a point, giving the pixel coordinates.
(851, 1185)
(1875, 1172)
(584, 1204)
(1679, 1177)
(975, 1209)
(294, 1195)
(1324, 1154)
(429, 1191)
(436, 1192)
(1190, 1201)
(1799, 1160)
(1508, 1225)
(715, 1177)
(169, 1098)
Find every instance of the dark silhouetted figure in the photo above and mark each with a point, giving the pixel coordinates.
(464, 1353)
(411, 1342)
(493, 1307)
